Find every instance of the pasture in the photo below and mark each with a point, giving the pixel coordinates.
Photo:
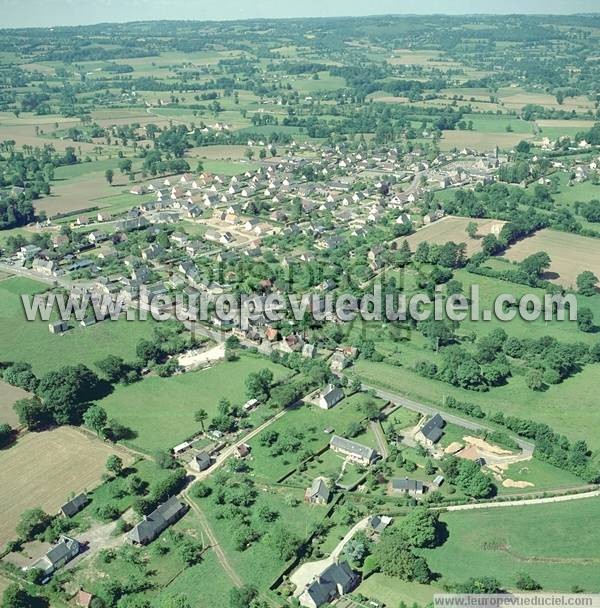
(260, 564)
(571, 254)
(452, 228)
(45, 469)
(553, 543)
(30, 341)
(160, 411)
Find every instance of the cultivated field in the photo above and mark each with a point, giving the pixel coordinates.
(44, 469)
(452, 228)
(8, 395)
(480, 141)
(570, 254)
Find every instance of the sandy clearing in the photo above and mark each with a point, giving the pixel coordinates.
(485, 446)
(510, 483)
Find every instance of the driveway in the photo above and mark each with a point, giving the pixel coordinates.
(304, 575)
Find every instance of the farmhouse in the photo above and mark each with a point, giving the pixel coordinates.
(159, 520)
(73, 506)
(330, 396)
(318, 493)
(336, 580)
(200, 462)
(431, 432)
(411, 487)
(64, 551)
(355, 452)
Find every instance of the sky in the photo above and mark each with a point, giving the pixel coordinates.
(44, 13)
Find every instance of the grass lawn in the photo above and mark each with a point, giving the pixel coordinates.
(159, 562)
(392, 591)
(553, 543)
(214, 590)
(161, 410)
(32, 342)
(114, 491)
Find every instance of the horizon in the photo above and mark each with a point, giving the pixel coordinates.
(66, 13)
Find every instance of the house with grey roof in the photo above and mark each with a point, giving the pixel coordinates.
(410, 487)
(431, 432)
(63, 552)
(200, 462)
(378, 523)
(330, 396)
(73, 506)
(318, 493)
(159, 520)
(335, 581)
(356, 452)
(58, 327)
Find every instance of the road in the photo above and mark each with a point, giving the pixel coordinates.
(526, 446)
(525, 502)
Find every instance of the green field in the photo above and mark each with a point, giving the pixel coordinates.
(161, 410)
(32, 342)
(553, 543)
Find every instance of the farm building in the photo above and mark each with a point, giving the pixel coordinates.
(64, 551)
(431, 432)
(355, 452)
(73, 506)
(318, 493)
(330, 396)
(159, 520)
(336, 580)
(242, 450)
(58, 327)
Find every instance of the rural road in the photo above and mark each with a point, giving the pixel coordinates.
(525, 502)
(429, 410)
